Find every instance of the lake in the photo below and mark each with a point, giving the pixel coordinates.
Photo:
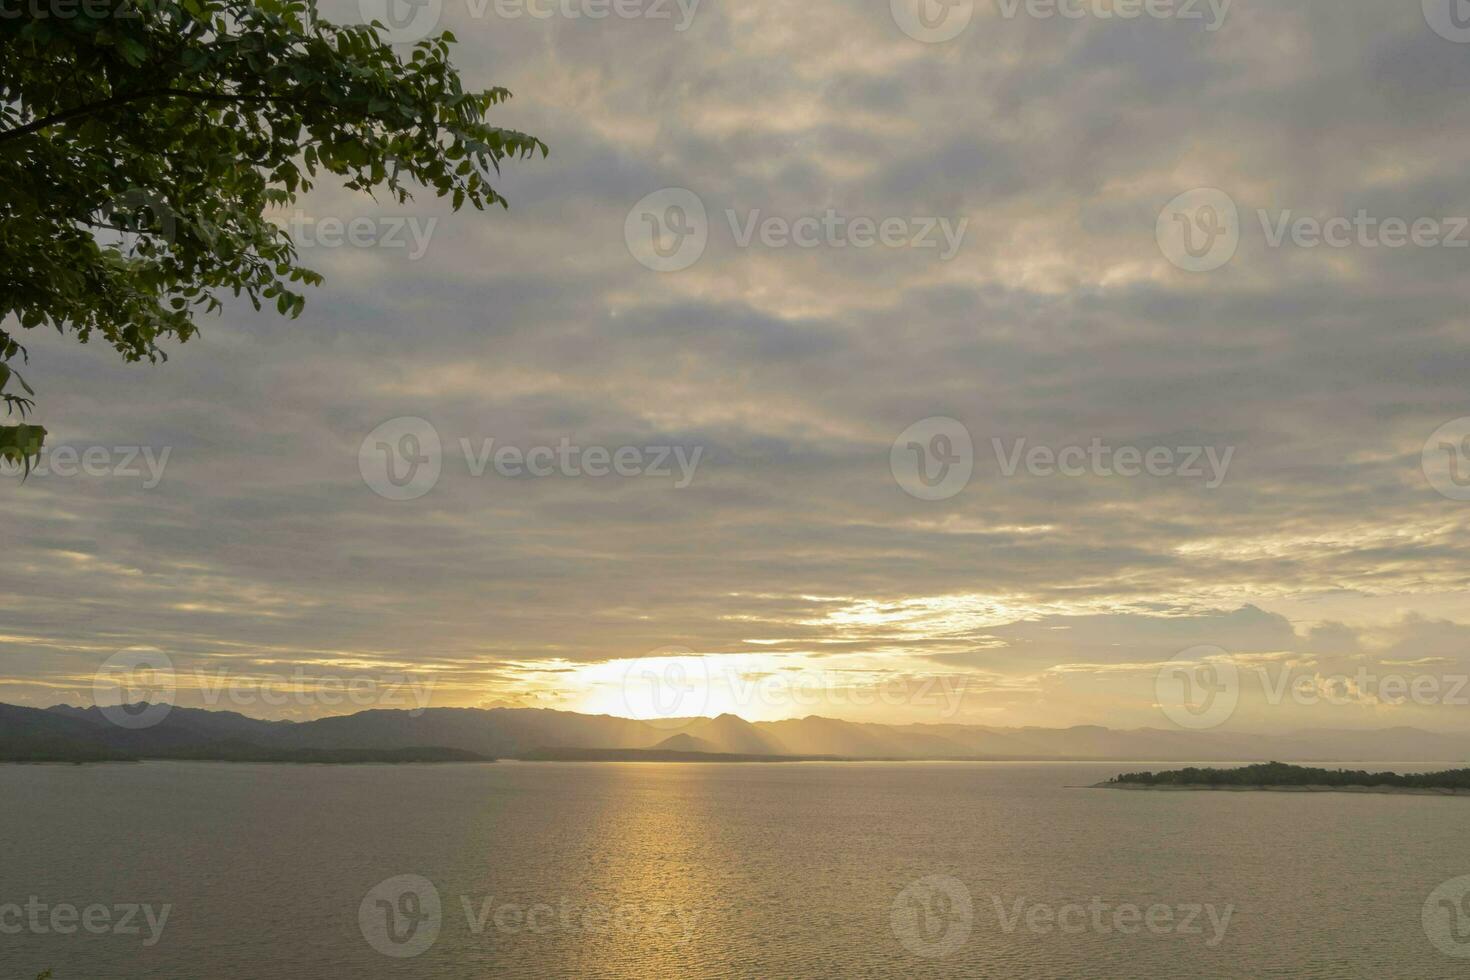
(204, 870)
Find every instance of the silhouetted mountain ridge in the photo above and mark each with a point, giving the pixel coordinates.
(521, 732)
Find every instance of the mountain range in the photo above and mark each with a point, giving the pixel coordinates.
(462, 734)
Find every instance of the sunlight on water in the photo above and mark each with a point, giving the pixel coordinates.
(636, 870)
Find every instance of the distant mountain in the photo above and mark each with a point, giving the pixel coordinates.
(659, 755)
(494, 731)
(181, 730)
(67, 734)
(730, 733)
(34, 735)
(65, 731)
(685, 743)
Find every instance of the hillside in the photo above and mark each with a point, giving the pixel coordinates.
(68, 732)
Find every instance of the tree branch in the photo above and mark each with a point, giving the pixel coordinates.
(76, 112)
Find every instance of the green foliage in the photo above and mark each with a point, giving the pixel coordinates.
(142, 143)
(21, 444)
(1281, 774)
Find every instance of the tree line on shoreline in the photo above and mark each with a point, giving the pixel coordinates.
(1282, 774)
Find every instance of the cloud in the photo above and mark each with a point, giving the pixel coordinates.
(1058, 321)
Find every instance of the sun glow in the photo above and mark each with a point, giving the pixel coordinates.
(678, 683)
(667, 684)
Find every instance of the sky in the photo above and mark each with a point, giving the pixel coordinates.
(967, 364)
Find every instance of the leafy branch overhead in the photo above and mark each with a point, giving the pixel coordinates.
(143, 143)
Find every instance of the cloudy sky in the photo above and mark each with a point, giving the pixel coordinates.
(930, 375)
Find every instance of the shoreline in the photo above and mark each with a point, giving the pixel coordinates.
(1263, 788)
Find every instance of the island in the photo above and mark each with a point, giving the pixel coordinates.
(1281, 777)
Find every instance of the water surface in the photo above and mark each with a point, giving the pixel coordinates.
(637, 870)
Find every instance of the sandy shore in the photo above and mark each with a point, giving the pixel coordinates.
(1204, 787)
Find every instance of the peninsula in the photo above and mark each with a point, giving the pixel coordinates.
(1280, 777)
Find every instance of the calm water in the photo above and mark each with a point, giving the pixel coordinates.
(858, 870)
